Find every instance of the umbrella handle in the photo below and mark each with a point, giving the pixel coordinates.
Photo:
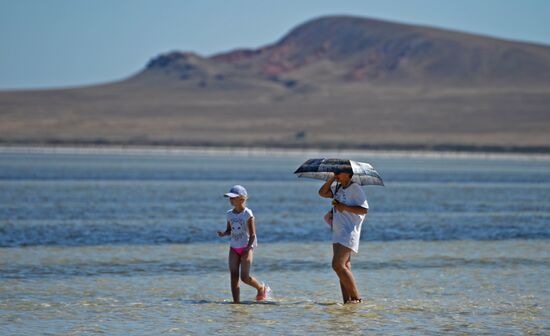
(338, 186)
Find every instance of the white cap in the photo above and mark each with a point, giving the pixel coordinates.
(236, 191)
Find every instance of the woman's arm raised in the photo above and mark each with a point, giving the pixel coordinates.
(325, 189)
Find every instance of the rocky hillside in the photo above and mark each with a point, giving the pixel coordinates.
(330, 82)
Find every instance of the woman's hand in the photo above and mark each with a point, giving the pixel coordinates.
(354, 209)
(325, 190)
(221, 233)
(340, 207)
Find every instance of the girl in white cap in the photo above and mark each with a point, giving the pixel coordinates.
(242, 229)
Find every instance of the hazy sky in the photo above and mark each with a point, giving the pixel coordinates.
(59, 43)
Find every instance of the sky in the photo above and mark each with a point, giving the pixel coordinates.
(66, 43)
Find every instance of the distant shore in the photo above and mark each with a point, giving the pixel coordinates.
(291, 145)
(80, 148)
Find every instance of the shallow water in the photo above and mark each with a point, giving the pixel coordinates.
(125, 244)
(494, 287)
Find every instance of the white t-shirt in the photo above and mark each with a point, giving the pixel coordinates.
(346, 226)
(239, 228)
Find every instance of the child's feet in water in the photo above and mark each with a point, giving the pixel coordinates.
(263, 293)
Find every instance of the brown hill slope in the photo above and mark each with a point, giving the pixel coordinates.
(333, 81)
(371, 50)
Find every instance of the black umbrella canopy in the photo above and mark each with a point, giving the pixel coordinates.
(321, 169)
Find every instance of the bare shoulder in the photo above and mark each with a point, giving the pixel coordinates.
(249, 212)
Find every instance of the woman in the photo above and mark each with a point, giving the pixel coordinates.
(350, 208)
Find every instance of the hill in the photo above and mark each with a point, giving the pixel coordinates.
(338, 82)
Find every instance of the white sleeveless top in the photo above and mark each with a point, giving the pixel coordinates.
(239, 228)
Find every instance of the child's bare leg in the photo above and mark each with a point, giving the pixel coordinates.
(345, 294)
(341, 256)
(246, 262)
(234, 262)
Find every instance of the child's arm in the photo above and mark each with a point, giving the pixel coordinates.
(227, 231)
(252, 231)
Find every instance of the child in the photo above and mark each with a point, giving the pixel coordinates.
(242, 228)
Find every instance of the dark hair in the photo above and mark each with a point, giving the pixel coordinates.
(346, 170)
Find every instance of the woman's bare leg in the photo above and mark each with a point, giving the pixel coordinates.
(345, 294)
(246, 263)
(342, 256)
(234, 263)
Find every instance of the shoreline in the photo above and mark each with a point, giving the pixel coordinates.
(259, 151)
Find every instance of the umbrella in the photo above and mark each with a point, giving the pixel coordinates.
(321, 169)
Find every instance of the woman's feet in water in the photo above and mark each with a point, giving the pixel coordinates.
(355, 301)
